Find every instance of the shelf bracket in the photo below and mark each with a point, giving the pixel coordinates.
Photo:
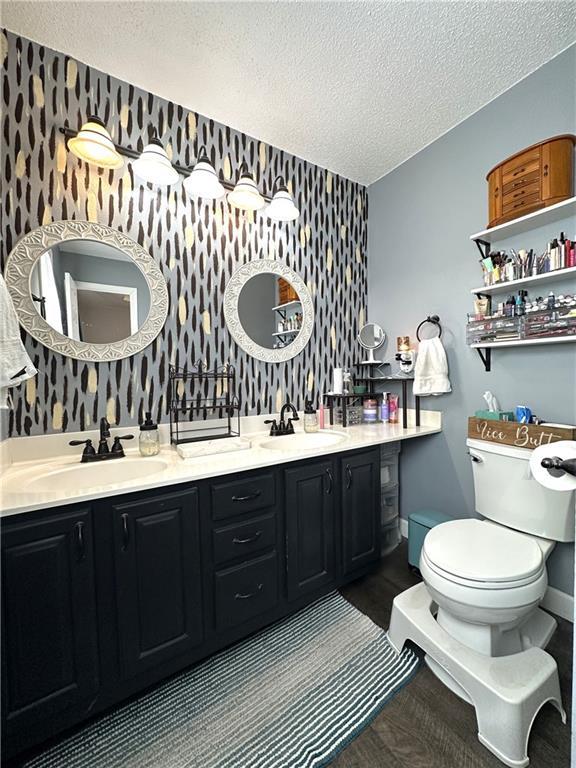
(484, 247)
(486, 357)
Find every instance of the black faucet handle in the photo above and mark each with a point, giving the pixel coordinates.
(273, 428)
(88, 451)
(117, 445)
(290, 427)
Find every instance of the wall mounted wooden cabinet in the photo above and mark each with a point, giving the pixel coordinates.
(533, 178)
(101, 601)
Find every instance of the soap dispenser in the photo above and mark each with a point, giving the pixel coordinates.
(149, 442)
(310, 417)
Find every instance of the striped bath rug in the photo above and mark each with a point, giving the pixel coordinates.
(292, 696)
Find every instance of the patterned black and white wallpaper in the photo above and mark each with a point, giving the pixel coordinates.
(197, 245)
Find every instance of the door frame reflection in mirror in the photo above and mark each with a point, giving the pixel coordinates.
(18, 273)
(231, 298)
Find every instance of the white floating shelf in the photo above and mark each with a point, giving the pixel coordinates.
(523, 342)
(537, 219)
(504, 287)
(288, 304)
(285, 333)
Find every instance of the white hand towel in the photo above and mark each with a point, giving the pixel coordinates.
(431, 369)
(15, 365)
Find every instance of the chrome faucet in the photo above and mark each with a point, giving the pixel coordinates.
(284, 427)
(104, 451)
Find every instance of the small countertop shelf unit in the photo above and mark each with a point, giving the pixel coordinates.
(523, 342)
(505, 286)
(524, 223)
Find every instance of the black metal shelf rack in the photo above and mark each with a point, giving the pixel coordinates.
(203, 403)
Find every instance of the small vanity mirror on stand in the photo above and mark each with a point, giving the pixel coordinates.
(371, 337)
(268, 310)
(86, 290)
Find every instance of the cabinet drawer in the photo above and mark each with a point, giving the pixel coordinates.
(521, 181)
(520, 193)
(239, 496)
(521, 165)
(246, 590)
(243, 539)
(522, 203)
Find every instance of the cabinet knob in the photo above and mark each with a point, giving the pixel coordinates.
(546, 170)
(249, 540)
(248, 595)
(330, 482)
(80, 543)
(249, 497)
(125, 532)
(348, 476)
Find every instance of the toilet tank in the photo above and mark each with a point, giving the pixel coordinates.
(506, 492)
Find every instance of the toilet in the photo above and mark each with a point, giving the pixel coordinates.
(487, 577)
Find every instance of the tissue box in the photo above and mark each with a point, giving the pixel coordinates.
(496, 415)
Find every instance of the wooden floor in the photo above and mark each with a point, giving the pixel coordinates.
(426, 725)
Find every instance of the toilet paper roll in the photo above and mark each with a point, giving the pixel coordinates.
(563, 449)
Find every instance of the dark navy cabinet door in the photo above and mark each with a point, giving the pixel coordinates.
(49, 635)
(310, 528)
(360, 488)
(158, 578)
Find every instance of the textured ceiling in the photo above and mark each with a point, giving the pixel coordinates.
(352, 86)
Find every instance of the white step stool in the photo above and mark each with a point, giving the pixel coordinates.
(507, 692)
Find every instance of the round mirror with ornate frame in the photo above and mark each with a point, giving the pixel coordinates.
(86, 291)
(268, 310)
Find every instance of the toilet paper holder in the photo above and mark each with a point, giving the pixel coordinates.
(556, 464)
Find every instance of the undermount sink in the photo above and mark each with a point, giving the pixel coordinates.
(85, 476)
(303, 441)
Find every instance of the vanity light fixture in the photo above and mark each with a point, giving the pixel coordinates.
(154, 165)
(203, 181)
(94, 144)
(245, 194)
(282, 207)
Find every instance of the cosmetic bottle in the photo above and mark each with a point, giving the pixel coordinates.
(149, 442)
(321, 416)
(310, 417)
(510, 304)
(551, 302)
(384, 413)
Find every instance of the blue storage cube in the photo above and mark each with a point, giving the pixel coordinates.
(419, 523)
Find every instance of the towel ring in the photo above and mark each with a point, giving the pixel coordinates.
(435, 320)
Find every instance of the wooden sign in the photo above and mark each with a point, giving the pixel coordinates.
(518, 435)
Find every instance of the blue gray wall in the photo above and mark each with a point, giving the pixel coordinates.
(421, 262)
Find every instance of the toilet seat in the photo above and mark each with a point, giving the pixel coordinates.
(480, 555)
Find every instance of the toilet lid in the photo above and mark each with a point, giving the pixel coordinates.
(478, 551)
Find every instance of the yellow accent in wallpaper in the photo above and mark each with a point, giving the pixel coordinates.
(71, 73)
(92, 380)
(111, 410)
(57, 412)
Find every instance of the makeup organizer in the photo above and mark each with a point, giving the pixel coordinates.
(525, 313)
(341, 405)
(203, 403)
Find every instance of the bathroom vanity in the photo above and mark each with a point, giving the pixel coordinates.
(118, 587)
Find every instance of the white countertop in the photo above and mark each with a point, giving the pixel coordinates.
(169, 468)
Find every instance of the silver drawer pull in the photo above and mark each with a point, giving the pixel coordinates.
(250, 540)
(240, 596)
(247, 498)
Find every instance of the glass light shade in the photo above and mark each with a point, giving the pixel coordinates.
(93, 144)
(154, 165)
(203, 181)
(245, 194)
(282, 207)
